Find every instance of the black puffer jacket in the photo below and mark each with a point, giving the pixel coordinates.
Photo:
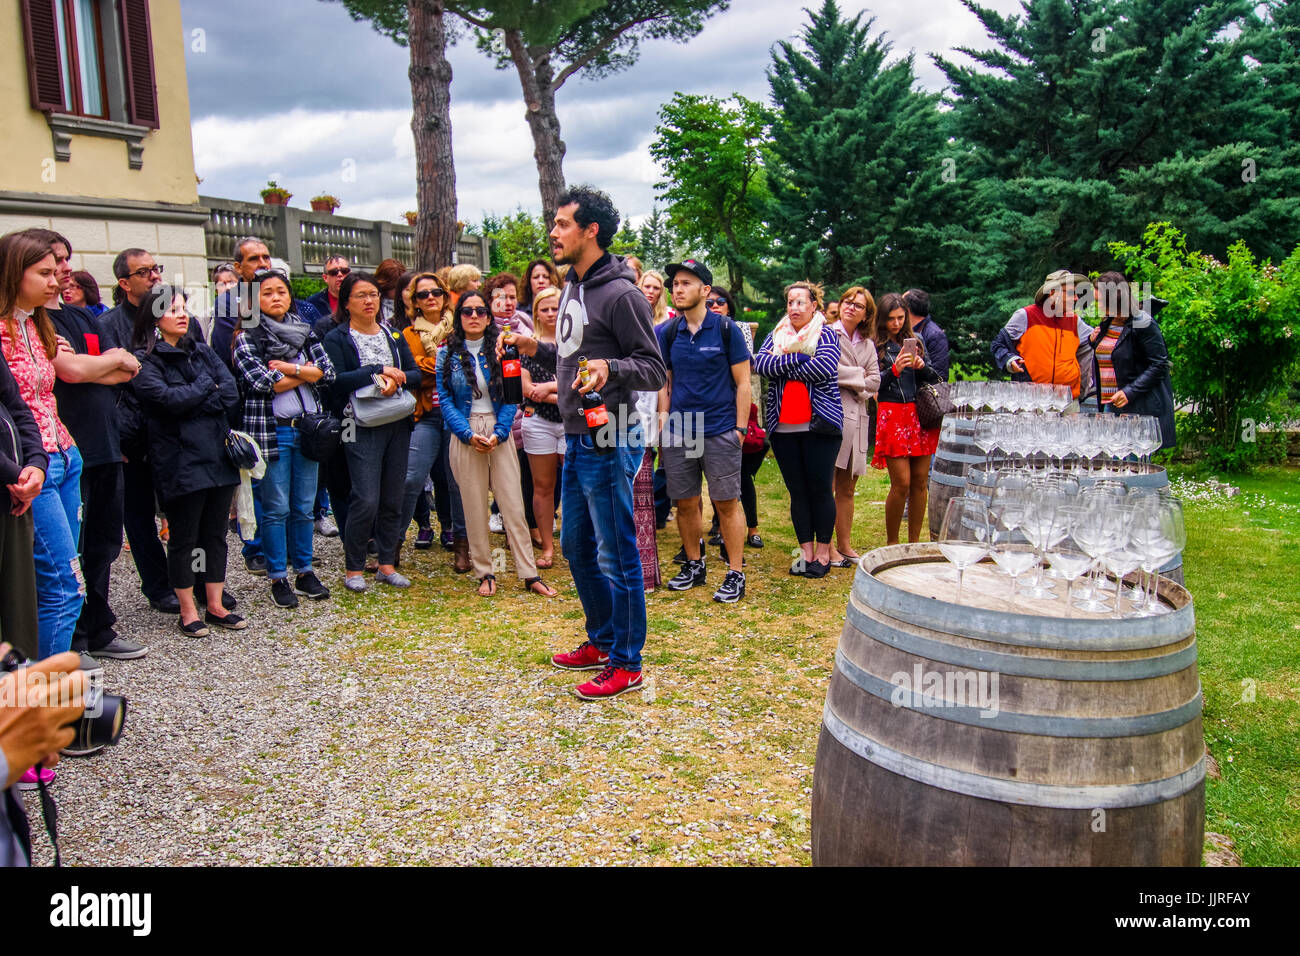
(1142, 365)
(186, 397)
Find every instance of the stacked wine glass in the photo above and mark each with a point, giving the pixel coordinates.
(1098, 445)
(1044, 525)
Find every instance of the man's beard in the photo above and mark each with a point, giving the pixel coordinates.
(562, 258)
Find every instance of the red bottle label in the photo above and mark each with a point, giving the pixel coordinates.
(510, 368)
(597, 417)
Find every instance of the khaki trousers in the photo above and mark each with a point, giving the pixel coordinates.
(475, 473)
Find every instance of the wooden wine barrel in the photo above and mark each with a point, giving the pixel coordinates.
(986, 734)
(955, 455)
(981, 478)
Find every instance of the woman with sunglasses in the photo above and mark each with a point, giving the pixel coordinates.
(470, 393)
(365, 352)
(427, 306)
(859, 381)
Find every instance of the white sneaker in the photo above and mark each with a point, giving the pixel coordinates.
(496, 525)
(326, 528)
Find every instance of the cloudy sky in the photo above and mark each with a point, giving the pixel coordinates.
(296, 91)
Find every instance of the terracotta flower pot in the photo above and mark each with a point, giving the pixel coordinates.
(318, 205)
(411, 218)
(276, 200)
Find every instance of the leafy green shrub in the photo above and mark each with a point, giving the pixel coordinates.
(1233, 331)
(304, 287)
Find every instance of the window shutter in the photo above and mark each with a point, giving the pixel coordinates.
(141, 90)
(41, 38)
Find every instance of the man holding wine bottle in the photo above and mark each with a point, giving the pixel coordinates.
(605, 352)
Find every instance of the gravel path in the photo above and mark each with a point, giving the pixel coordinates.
(416, 727)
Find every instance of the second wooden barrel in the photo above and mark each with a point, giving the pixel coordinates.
(989, 733)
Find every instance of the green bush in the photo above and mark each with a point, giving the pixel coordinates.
(304, 287)
(1233, 331)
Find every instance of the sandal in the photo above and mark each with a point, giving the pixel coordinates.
(491, 581)
(532, 584)
(545, 561)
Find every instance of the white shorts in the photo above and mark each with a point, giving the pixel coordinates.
(542, 437)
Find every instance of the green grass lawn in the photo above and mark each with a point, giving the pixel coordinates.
(1241, 567)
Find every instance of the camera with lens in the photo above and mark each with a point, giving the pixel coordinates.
(101, 723)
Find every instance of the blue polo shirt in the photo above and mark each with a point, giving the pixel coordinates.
(702, 380)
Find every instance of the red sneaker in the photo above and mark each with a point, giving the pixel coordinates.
(585, 657)
(610, 682)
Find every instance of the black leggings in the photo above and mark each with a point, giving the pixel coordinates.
(807, 463)
(197, 535)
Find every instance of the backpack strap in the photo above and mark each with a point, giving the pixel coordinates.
(671, 336)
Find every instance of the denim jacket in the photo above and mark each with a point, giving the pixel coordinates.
(456, 396)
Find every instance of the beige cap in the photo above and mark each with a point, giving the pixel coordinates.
(1059, 278)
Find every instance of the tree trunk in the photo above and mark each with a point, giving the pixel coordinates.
(536, 78)
(435, 171)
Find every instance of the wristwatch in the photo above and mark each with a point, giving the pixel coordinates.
(612, 365)
(743, 431)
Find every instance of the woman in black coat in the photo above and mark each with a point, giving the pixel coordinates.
(187, 396)
(1130, 361)
(365, 352)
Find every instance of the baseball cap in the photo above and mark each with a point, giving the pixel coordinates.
(698, 269)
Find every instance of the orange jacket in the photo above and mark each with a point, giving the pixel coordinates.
(1050, 345)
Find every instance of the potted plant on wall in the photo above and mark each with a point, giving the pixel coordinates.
(274, 195)
(325, 203)
(411, 215)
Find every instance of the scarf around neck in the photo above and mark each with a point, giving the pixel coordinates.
(787, 340)
(285, 337)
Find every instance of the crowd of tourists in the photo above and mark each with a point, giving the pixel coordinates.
(399, 398)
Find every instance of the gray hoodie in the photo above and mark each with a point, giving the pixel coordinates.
(605, 316)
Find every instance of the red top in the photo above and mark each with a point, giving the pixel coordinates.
(34, 372)
(796, 404)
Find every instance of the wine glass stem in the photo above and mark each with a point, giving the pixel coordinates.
(961, 572)
(1069, 608)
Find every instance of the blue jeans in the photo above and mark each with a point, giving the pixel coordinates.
(598, 538)
(288, 495)
(57, 516)
(426, 439)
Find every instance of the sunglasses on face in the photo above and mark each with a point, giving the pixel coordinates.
(145, 271)
(427, 294)
(334, 273)
(714, 302)
(473, 310)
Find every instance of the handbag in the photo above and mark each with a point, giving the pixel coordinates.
(319, 435)
(931, 405)
(755, 436)
(241, 450)
(372, 408)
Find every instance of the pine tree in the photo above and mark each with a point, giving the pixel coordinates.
(1091, 118)
(657, 240)
(856, 154)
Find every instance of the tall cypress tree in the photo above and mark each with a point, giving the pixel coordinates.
(1090, 118)
(855, 154)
